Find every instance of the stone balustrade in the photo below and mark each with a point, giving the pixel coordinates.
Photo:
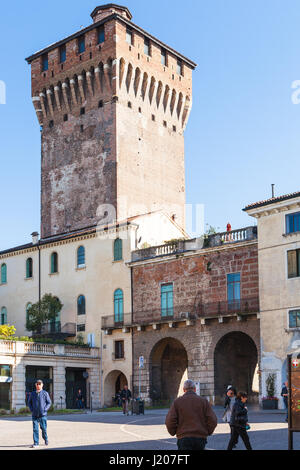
(44, 349)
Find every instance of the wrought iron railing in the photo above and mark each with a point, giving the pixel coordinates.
(184, 312)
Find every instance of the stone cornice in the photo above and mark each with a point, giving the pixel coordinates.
(101, 234)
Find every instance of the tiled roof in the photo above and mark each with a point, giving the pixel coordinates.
(272, 200)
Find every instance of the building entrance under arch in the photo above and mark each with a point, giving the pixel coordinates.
(113, 383)
(236, 364)
(168, 370)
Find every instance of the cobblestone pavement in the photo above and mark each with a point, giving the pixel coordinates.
(113, 431)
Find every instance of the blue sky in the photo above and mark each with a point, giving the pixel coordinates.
(244, 130)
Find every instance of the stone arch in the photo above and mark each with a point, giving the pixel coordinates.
(168, 364)
(110, 70)
(113, 380)
(166, 96)
(173, 100)
(151, 89)
(137, 79)
(144, 85)
(159, 93)
(235, 363)
(121, 70)
(186, 110)
(179, 105)
(129, 76)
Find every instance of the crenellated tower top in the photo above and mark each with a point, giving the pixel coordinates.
(101, 12)
(113, 102)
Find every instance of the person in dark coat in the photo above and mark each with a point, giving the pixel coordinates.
(239, 421)
(191, 418)
(125, 397)
(39, 403)
(285, 396)
(79, 399)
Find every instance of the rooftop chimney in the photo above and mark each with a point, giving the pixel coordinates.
(101, 12)
(35, 238)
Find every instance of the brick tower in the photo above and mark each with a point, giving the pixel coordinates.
(113, 102)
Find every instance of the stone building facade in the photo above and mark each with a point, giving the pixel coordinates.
(196, 314)
(278, 221)
(111, 100)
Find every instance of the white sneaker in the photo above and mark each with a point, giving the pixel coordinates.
(34, 446)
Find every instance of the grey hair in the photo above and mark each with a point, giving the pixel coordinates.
(189, 385)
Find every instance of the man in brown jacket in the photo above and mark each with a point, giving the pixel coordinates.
(191, 418)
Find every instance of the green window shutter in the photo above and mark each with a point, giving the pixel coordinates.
(118, 255)
(81, 305)
(81, 256)
(29, 265)
(3, 316)
(118, 306)
(54, 263)
(167, 302)
(3, 274)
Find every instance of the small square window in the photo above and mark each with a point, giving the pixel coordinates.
(101, 34)
(129, 36)
(294, 319)
(81, 44)
(100, 104)
(65, 117)
(81, 327)
(82, 111)
(146, 46)
(45, 62)
(164, 57)
(63, 54)
(119, 349)
(179, 67)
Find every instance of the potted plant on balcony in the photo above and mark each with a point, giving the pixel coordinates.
(270, 402)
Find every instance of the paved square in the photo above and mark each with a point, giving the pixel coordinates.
(113, 431)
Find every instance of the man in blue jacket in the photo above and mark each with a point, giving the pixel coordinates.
(39, 403)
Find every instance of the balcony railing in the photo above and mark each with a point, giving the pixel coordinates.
(209, 241)
(184, 313)
(55, 329)
(111, 321)
(42, 349)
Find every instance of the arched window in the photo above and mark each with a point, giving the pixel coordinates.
(3, 273)
(3, 316)
(118, 306)
(27, 314)
(54, 263)
(29, 268)
(81, 305)
(55, 323)
(80, 257)
(118, 255)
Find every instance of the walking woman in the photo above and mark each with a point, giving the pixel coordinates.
(239, 421)
(228, 406)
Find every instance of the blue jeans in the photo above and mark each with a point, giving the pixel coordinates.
(43, 425)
